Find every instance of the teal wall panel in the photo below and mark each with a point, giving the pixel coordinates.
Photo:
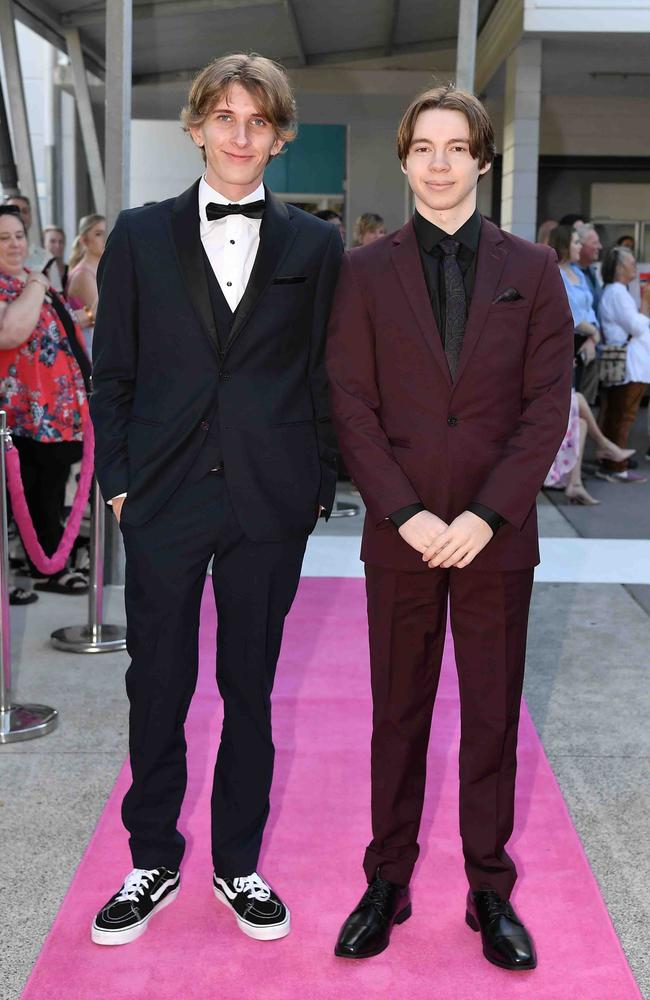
(313, 164)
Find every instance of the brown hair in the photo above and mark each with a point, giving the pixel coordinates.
(559, 239)
(53, 229)
(481, 134)
(264, 79)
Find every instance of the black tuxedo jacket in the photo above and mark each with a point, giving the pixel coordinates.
(159, 369)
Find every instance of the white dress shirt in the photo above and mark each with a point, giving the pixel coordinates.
(620, 319)
(231, 244)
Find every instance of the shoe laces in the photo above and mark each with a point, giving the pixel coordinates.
(377, 894)
(495, 905)
(135, 884)
(253, 886)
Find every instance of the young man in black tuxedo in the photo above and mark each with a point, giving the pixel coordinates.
(213, 441)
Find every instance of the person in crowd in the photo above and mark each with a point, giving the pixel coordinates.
(448, 418)
(81, 288)
(334, 219)
(627, 242)
(566, 243)
(37, 256)
(590, 249)
(368, 228)
(213, 442)
(623, 323)
(54, 244)
(545, 230)
(44, 374)
(566, 471)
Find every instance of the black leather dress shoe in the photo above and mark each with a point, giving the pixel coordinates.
(366, 932)
(506, 942)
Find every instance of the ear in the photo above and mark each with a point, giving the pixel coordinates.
(197, 137)
(484, 169)
(276, 147)
(403, 168)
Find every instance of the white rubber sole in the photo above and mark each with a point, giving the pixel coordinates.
(100, 936)
(258, 933)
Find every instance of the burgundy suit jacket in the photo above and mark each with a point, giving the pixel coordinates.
(409, 434)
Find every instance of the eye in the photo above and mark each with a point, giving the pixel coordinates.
(421, 149)
(258, 121)
(459, 149)
(224, 117)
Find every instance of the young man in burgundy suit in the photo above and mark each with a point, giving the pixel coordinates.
(450, 359)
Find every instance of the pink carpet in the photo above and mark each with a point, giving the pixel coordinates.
(314, 844)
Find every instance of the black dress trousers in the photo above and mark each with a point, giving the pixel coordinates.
(254, 586)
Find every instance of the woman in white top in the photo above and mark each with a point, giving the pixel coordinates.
(623, 323)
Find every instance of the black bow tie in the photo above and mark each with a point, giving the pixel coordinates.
(254, 210)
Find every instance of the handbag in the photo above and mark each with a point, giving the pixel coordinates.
(611, 364)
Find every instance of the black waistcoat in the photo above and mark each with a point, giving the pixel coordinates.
(210, 455)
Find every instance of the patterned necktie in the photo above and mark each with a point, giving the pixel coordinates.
(455, 302)
(253, 210)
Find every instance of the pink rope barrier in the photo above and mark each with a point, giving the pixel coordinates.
(55, 563)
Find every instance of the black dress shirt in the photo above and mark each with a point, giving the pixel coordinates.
(428, 237)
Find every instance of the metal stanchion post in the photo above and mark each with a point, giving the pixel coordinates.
(17, 722)
(95, 637)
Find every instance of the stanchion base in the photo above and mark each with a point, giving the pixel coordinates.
(26, 722)
(83, 639)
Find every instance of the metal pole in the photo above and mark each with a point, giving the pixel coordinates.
(17, 722)
(8, 172)
(466, 48)
(95, 637)
(86, 119)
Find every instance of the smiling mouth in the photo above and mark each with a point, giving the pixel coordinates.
(239, 156)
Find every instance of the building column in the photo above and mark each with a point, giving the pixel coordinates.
(522, 107)
(466, 45)
(86, 119)
(18, 112)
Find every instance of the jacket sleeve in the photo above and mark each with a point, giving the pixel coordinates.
(327, 447)
(514, 481)
(356, 403)
(115, 357)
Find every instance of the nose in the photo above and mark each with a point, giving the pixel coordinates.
(241, 134)
(438, 161)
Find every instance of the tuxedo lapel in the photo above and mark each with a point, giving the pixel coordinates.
(187, 238)
(276, 236)
(489, 265)
(406, 258)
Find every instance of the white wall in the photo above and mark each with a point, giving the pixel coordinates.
(164, 161)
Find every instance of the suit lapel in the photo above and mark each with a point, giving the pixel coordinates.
(276, 236)
(489, 265)
(187, 237)
(406, 258)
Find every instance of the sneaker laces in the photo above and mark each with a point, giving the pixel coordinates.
(253, 886)
(135, 884)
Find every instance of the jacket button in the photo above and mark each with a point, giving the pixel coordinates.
(225, 376)
(205, 426)
(452, 421)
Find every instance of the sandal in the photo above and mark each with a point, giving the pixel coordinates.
(19, 596)
(68, 582)
(578, 494)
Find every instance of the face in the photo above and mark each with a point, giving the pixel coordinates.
(238, 141)
(95, 239)
(628, 243)
(25, 212)
(574, 248)
(591, 247)
(626, 270)
(441, 171)
(55, 243)
(13, 244)
(374, 234)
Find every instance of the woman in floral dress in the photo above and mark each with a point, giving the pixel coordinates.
(43, 378)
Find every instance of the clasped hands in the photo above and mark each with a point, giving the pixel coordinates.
(446, 545)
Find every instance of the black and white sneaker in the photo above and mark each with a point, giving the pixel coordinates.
(258, 911)
(127, 913)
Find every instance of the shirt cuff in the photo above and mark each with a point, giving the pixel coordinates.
(488, 515)
(118, 497)
(405, 514)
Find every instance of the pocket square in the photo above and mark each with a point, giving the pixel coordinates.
(509, 295)
(294, 279)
